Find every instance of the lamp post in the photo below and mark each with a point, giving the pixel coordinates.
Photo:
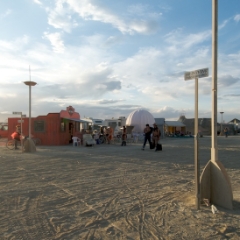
(29, 84)
(221, 121)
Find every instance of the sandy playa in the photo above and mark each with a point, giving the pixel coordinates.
(113, 192)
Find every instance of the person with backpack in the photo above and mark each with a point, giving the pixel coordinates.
(124, 136)
(156, 136)
(147, 135)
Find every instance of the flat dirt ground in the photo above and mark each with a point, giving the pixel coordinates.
(114, 192)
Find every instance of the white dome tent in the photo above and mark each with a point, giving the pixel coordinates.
(139, 118)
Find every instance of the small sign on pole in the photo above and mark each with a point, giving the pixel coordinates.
(18, 113)
(200, 73)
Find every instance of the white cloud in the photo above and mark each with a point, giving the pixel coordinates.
(237, 18)
(60, 17)
(37, 2)
(143, 11)
(225, 22)
(56, 41)
(108, 101)
(179, 41)
(15, 45)
(4, 15)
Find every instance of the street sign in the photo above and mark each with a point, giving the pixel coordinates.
(200, 73)
(19, 113)
(20, 121)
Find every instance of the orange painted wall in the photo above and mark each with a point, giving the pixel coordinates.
(52, 134)
(3, 134)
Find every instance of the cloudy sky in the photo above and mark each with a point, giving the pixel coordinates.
(108, 58)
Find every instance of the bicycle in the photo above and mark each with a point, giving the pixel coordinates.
(37, 141)
(117, 138)
(102, 139)
(10, 144)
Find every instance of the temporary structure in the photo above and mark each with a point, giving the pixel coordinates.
(139, 118)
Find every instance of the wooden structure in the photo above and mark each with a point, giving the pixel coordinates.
(52, 129)
(174, 127)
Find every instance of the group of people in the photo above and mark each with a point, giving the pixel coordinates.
(152, 135)
(107, 132)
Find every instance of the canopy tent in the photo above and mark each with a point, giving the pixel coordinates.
(76, 120)
(174, 124)
(139, 118)
(172, 127)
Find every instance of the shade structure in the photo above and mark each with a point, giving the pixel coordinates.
(139, 118)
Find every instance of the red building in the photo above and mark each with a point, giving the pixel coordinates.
(52, 129)
(3, 130)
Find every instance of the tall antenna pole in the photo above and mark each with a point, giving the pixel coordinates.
(30, 84)
(30, 96)
(215, 183)
(29, 73)
(214, 149)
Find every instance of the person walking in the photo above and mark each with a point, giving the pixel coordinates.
(226, 132)
(147, 136)
(109, 134)
(124, 136)
(155, 135)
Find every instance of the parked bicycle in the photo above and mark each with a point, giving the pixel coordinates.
(37, 141)
(102, 139)
(10, 144)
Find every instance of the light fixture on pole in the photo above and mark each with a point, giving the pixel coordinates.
(29, 84)
(221, 122)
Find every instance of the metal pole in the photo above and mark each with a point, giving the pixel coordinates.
(29, 125)
(21, 133)
(196, 148)
(214, 149)
(221, 123)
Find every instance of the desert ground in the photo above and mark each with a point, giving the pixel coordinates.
(113, 192)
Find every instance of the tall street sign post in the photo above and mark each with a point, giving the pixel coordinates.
(214, 181)
(188, 76)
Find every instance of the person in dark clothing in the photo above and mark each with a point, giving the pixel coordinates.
(124, 136)
(147, 135)
(156, 135)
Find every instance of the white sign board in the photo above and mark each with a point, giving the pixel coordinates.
(19, 113)
(200, 73)
(20, 121)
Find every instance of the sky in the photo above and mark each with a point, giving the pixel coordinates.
(108, 58)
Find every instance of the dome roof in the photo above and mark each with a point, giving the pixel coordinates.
(139, 118)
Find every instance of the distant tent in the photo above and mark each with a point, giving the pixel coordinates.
(139, 118)
(235, 120)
